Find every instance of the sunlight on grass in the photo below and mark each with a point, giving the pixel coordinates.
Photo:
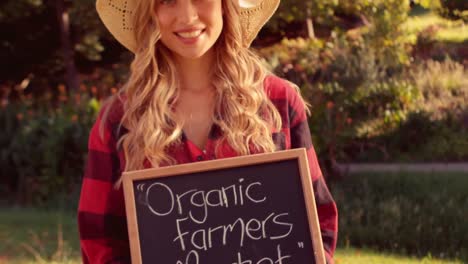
(457, 35)
(448, 30)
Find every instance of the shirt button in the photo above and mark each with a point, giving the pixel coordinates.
(199, 158)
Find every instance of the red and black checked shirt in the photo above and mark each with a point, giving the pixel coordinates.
(101, 213)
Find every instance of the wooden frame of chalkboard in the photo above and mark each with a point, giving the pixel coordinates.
(138, 195)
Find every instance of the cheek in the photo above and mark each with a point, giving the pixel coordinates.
(214, 12)
(163, 21)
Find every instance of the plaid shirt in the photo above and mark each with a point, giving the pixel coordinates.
(101, 213)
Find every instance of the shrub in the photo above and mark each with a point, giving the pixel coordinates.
(418, 138)
(435, 125)
(405, 213)
(366, 108)
(358, 72)
(44, 145)
(444, 87)
(439, 115)
(354, 92)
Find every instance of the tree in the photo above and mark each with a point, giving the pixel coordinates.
(306, 18)
(297, 10)
(28, 37)
(43, 38)
(63, 20)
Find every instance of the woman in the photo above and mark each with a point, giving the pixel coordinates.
(195, 93)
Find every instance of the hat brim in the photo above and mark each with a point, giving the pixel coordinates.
(117, 14)
(254, 18)
(117, 19)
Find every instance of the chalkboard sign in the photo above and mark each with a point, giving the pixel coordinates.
(257, 209)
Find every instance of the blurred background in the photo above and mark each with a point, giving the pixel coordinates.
(388, 86)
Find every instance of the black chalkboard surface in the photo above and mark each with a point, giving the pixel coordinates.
(256, 209)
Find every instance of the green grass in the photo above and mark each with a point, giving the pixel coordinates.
(33, 236)
(447, 30)
(354, 256)
(406, 212)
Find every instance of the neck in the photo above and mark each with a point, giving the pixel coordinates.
(195, 74)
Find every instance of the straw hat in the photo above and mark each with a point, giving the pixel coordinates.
(117, 17)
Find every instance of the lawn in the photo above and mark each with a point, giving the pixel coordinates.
(30, 236)
(355, 256)
(37, 236)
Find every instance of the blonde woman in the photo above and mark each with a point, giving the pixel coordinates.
(196, 92)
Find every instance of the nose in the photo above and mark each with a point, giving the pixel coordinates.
(187, 12)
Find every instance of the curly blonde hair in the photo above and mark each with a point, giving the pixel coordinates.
(243, 111)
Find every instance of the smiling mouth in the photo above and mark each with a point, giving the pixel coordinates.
(191, 34)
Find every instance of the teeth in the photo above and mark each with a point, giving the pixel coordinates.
(192, 34)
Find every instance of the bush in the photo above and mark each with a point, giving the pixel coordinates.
(418, 138)
(44, 145)
(353, 80)
(434, 127)
(439, 116)
(354, 90)
(403, 213)
(444, 87)
(367, 108)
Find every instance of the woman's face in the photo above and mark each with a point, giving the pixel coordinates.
(189, 28)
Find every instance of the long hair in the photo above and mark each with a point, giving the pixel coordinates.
(242, 111)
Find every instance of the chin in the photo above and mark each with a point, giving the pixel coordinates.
(190, 53)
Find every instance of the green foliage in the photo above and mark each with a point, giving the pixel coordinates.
(330, 14)
(44, 144)
(405, 213)
(364, 255)
(447, 144)
(454, 9)
(29, 26)
(366, 93)
(291, 10)
(438, 116)
(387, 36)
(16, 10)
(90, 33)
(428, 3)
(438, 42)
(444, 86)
(433, 128)
(419, 138)
(351, 83)
(23, 23)
(431, 28)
